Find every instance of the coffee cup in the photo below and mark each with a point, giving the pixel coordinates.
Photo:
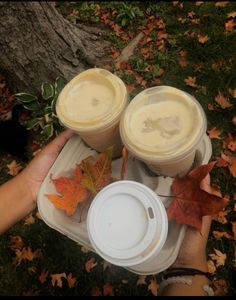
(163, 126)
(127, 223)
(91, 105)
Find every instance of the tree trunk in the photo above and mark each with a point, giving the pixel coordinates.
(37, 45)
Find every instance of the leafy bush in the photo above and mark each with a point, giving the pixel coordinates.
(42, 111)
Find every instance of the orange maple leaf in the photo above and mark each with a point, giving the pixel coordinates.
(97, 172)
(90, 264)
(222, 101)
(56, 279)
(203, 38)
(191, 81)
(229, 25)
(214, 133)
(71, 192)
(190, 202)
(71, 280)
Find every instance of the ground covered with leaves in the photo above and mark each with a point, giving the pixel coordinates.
(188, 45)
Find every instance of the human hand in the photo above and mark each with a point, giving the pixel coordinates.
(192, 253)
(38, 168)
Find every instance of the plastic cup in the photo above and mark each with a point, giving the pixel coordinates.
(127, 223)
(163, 126)
(91, 105)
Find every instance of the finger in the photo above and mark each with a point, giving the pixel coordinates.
(57, 144)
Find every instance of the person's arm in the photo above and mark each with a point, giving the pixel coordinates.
(18, 195)
(192, 255)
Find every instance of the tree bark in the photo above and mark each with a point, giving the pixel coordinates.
(37, 45)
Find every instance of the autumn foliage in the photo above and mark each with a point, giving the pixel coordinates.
(190, 201)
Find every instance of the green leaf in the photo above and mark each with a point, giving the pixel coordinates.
(47, 91)
(25, 98)
(31, 123)
(59, 85)
(32, 106)
(48, 130)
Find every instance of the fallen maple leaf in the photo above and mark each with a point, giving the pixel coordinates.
(203, 38)
(90, 264)
(190, 202)
(231, 14)
(71, 192)
(26, 254)
(43, 276)
(219, 257)
(234, 120)
(190, 81)
(153, 286)
(14, 168)
(141, 280)
(221, 3)
(221, 217)
(229, 25)
(234, 229)
(96, 291)
(214, 133)
(29, 220)
(97, 172)
(211, 266)
(222, 101)
(71, 280)
(233, 92)
(56, 279)
(219, 287)
(220, 234)
(16, 242)
(108, 289)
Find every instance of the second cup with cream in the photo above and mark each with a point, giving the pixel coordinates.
(91, 105)
(163, 126)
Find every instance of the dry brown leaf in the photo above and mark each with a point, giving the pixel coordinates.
(29, 220)
(203, 38)
(43, 276)
(234, 120)
(222, 101)
(14, 168)
(190, 81)
(221, 217)
(71, 280)
(56, 279)
(229, 25)
(220, 234)
(221, 3)
(141, 280)
(219, 287)
(26, 254)
(211, 266)
(234, 229)
(96, 291)
(108, 289)
(214, 133)
(16, 242)
(232, 93)
(219, 257)
(90, 264)
(231, 14)
(153, 286)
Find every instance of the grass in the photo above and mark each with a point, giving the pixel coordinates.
(212, 63)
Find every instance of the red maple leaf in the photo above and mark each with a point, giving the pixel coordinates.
(191, 202)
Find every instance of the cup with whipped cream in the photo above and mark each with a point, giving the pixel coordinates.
(91, 105)
(163, 126)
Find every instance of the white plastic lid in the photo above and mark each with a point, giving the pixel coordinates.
(127, 223)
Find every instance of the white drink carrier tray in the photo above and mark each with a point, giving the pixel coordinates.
(72, 153)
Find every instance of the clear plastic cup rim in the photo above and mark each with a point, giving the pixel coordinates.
(127, 223)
